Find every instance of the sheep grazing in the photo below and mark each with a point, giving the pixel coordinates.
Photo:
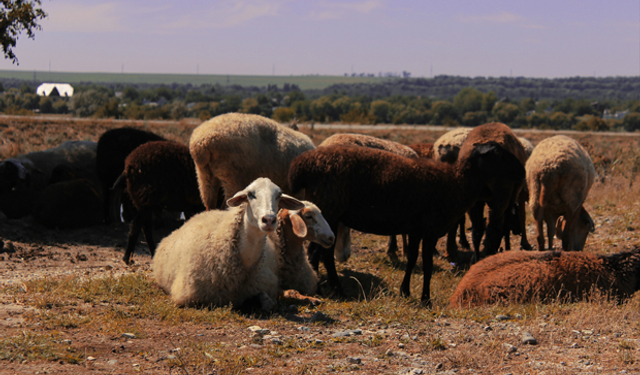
(294, 228)
(378, 192)
(560, 174)
(24, 178)
(221, 257)
(114, 146)
(158, 175)
(447, 147)
(501, 194)
(343, 242)
(524, 277)
(233, 149)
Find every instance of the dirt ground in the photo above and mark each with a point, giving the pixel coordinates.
(373, 333)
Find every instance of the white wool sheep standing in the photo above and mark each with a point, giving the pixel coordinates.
(560, 174)
(221, 257)
(446, 148)
(233, 149)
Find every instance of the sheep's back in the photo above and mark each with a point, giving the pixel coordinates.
(370, 142)
(199, 263)
(447, 147)
(494, 132)
(565, 170)
(238, 148)
(520, 277)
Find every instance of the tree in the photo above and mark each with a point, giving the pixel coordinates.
(631, 122)
(468, 100)
(17, 16)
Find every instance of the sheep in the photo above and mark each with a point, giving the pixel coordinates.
(233, 149)
(446, 148)
(527, 145)
(343, 245)
(295, 227)
(114, 146)
(500, 195)
(158, 175)
(424, 150)
(69, 202)
(560, 174)
(24, 178)
(378, 192)
(223, 257)
(371, 142)
(524, 277)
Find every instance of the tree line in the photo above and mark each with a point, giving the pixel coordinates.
(580, 103)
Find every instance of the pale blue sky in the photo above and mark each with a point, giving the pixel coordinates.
(543, 38)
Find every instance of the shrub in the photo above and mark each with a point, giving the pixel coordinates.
(283, 114)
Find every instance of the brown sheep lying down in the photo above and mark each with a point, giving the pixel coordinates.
(522, 276)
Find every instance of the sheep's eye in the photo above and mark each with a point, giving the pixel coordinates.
(308, 217)
(250, 195)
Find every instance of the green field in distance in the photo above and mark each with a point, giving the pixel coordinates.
(304, 82)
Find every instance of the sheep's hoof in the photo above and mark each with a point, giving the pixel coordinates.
(526, 246)
(426, 302)
(266, 303)
(393, 258)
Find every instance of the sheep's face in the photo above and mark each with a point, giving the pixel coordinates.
(580, 231)
(308, 223)
(263, 198)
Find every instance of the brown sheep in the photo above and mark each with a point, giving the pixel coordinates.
(378, 192)
(523, 277)
(501, 195)
(560, 174)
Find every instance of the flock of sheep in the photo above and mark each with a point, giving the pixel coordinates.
(254, 191)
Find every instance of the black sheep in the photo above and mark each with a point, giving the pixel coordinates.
(158, 175)
(113, 148)
(378, 192)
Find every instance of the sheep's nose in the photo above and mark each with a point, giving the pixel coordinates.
(331, 239)
(269, 220)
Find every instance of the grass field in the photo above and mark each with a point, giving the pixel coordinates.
(69, 305)
(304, 82)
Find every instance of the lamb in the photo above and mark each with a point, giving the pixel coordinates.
(24, 178)
(231, 150)
(295, 227)
(560, 174)
(223, 257)
(343, 244)
(378, 192)
(113, 148)
(158, 175)
(502, 194)
(524, 277)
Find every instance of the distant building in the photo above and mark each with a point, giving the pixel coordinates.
(55, 89)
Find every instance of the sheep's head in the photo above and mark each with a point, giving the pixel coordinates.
(581, 229)
(308, 223)
(263, 198)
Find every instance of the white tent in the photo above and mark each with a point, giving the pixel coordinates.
(64, 89)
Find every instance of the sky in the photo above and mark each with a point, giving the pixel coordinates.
(491, 38)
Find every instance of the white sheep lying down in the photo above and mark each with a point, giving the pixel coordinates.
(221, 257)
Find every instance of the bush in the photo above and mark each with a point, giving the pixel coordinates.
(592, 123)
(474, 118)
(283, 114)
(380, 109)
(631, 122)
(85, 104)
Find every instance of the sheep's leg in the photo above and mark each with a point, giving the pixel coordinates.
(522, 221)
(134, 231)
(463, 235)
(476, 215)
(330, 265)
(393, 248)
(538, 216)
(428, 249)
(209, 186)
(507, 238)
(567, 233)
(147, 229)
(412, 258)
(452, 247)
(550, 220)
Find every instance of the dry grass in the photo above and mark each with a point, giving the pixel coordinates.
(596, 335)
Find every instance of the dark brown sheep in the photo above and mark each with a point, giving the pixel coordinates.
(522, 277)
(114, 146)
(158, 175)
(424, 150)
(379, 192)
(501, 194)
(76, 203)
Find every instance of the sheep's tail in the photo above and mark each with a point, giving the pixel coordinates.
(115, 199)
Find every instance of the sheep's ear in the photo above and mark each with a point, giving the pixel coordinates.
(290, 203)
(298, 225)
(238, 199)
(560, 226)
(21, 170)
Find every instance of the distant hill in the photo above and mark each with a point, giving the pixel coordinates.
(311, 82)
